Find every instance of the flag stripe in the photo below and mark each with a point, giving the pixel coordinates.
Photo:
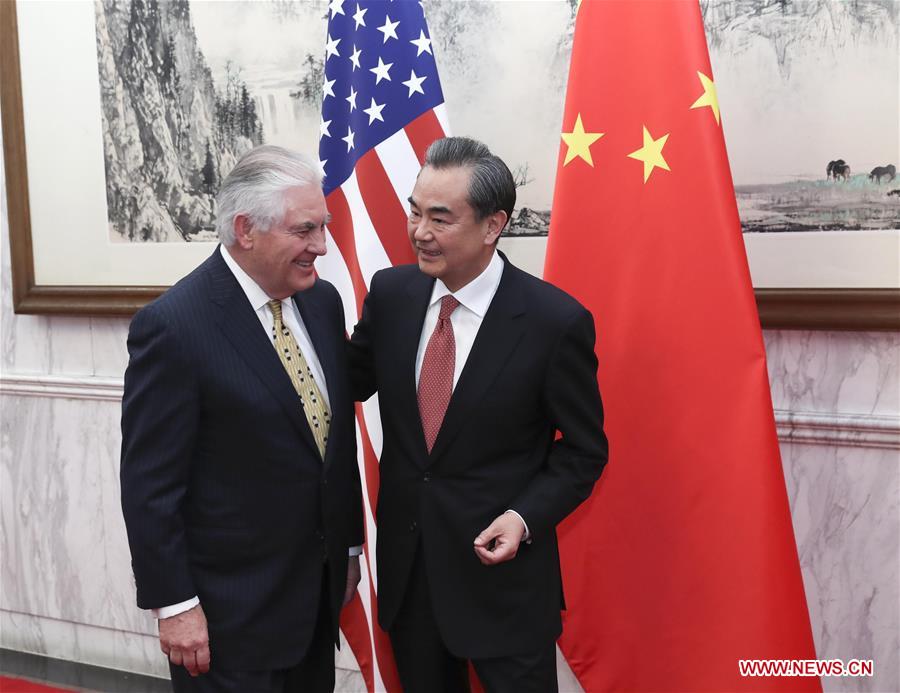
(354, 626)
(440, 111)
(370, 468)
(384, 654)
(422, 132)
(333, 266)
(401, 165)
(385, 211)
(368, 583)
(369, 252)
(341, 228)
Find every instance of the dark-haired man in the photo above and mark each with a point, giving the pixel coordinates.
(477, 366)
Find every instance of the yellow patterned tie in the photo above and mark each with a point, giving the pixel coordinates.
(301, 376)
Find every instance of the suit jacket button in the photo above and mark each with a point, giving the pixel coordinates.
(427, 477)
(412, 526)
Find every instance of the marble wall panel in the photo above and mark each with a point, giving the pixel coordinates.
(108, 346)
(65, 551)
(846, 512)
(834, 372)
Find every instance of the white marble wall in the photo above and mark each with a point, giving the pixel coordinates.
(66, 585)
(842, 390)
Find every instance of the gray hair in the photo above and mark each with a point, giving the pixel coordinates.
(256, 187)
(491, 185)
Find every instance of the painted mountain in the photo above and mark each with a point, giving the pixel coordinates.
(169, 132)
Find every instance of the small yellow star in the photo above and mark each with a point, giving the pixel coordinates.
(709, 97)
(651, 153)
(579, 142)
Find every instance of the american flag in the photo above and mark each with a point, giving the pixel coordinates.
(382, 106)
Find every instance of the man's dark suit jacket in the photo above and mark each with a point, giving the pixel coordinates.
(224, 493)
(532, 371)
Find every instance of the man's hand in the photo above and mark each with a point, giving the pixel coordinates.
(353, 576)
(500, 541)
(185, 639)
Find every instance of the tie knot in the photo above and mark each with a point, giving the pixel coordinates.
(448, 305)
(275, 307)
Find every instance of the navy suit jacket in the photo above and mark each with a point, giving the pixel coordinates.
(224, 493)
(531, 371)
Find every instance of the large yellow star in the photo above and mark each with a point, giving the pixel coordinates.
(651, 153)
(709, 97)
(579, 142)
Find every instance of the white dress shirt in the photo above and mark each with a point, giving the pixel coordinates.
(259, 300)
(474, 300)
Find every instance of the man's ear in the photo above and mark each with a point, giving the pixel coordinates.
(495, 224)
(243, 231)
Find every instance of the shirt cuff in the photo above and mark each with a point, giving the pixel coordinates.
(527, 536)
(354, 551)
(175, 609)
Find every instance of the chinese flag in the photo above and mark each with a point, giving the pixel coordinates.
(683, 562)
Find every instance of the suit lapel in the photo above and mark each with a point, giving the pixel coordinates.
(240, 326)
(500, 332)
(411, 319)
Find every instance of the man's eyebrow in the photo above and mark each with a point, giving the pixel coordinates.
(437, 209)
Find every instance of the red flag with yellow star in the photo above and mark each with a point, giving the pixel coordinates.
(684, 561)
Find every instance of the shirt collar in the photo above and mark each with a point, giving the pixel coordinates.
(476, 296)
(254, 293)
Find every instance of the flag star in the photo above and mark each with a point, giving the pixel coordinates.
(651, 153)
(322, 163)
(355, 57)
(348, 139)
(389, 29)
(709, 97)
(331, 47)
(323, 128)
(358, 17)
(351, 99)
(423, 44)
(579, 142)
(374, 112)
(381, 71)
(327, 88)
(336, 7)
(414, 83)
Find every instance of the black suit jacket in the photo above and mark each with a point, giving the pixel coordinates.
(532, 371)
(224, 493)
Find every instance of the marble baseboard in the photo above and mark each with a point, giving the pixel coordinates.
(75, 675)
(83, 643)
(110, 649)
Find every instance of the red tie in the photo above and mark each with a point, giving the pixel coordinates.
(436, 377)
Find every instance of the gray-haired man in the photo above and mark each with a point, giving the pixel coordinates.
(240, 486)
